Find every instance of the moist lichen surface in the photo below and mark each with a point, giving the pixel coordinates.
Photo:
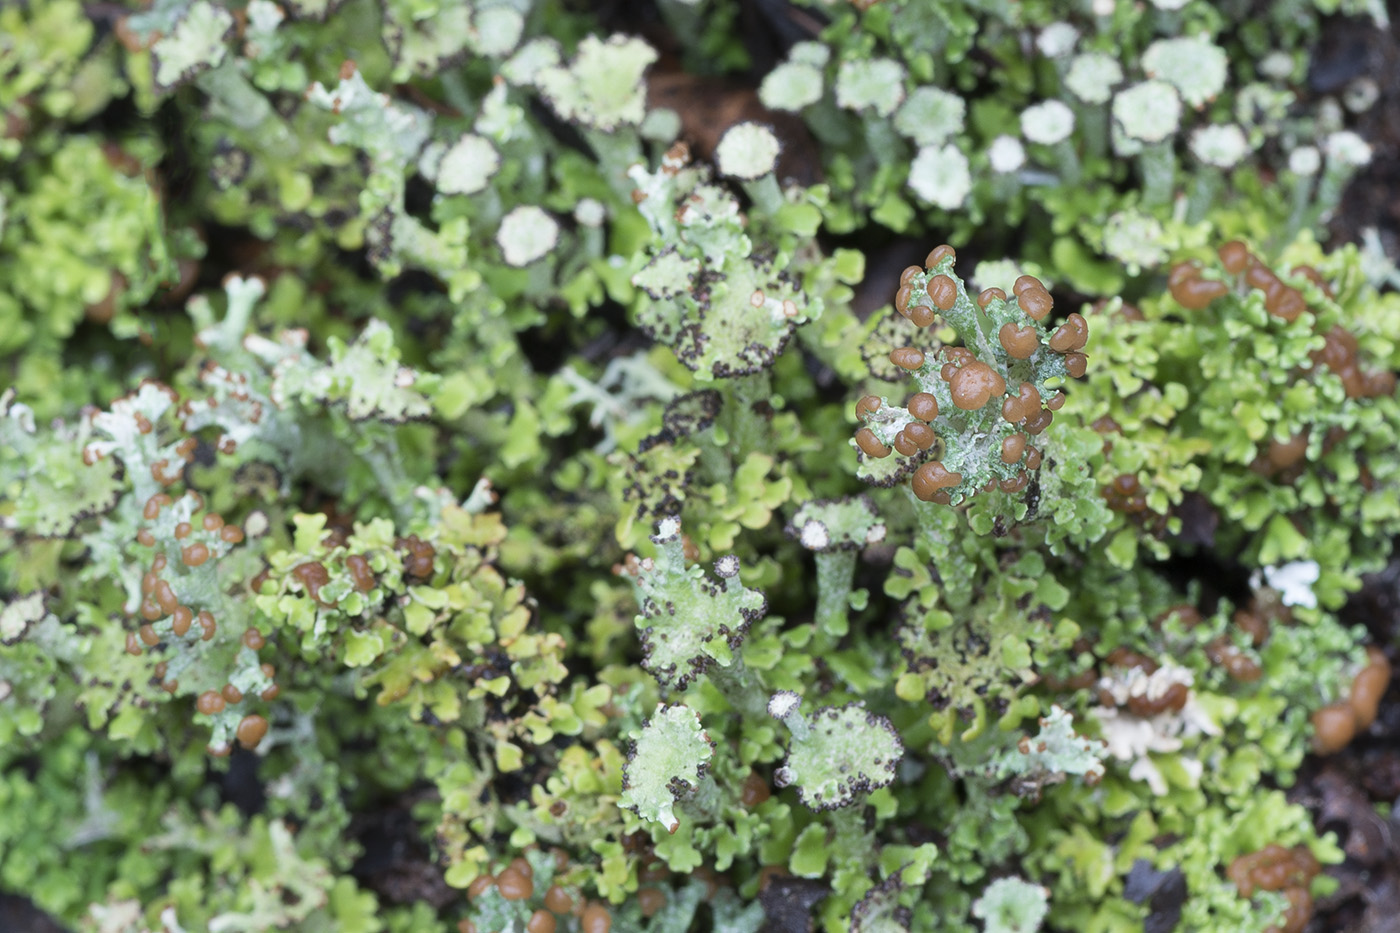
(687, 466)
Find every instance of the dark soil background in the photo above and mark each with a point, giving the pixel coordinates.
(1341, 791)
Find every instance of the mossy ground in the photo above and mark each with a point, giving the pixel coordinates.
(518, 631)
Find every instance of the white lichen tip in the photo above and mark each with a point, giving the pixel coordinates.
(196, 44)
(1361, 94)
(931, 116)
(1047, 123)
(783, 704)
(1092, 77)
(816, 54)
(747, 151)
(940, 175)
(1057, 40)
(19, 614)
(526, 234)
(727, 567)
(264, 17)
(1347, 148)
(1006, 154)
(841, 524)
(1195, 66)
(666, 530)
(1294, 582)
(171, 920)
(1277, 65)
(660, 125)
(603, 86)
(530, 59)
(1221, 145)
(814, 535)
(791, 86)
(17, 412)
(1135, 239)
(590, 212)
(496, 29)
(1012, 905)
(1150, 111)
(875, 84)
(1305, 160)
(256, 524)
(244, 289)
(467, 165)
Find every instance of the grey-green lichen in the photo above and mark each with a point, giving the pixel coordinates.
(427, 463)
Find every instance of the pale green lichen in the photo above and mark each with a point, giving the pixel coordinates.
(1055, 751)
(1012, 905)
(467, 165)
(837, 524)
(364, 376)
(941, 176)
(667, 275)
(689, 622)
(422, 45)
(1134, 238)
(930, 116)
(530, 59)
(669, 758)
(526, 235)
(1195, 66)
(875, 84)
(196, 44)
(838, 755)
(18, 615)
(1047, 123)
(390, 132)
(1150, 111)
(791, 86)
(1222, 146)
(747, 151)
(429, 279)
(1092, 76)
(602, 86)
(59, 489)
(724, 309)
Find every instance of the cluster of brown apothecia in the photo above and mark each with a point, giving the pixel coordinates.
(189, 640)
(1335, 725)
(1340, 352)
(516, 882)
(1194, 292)
(983, 400)
(1276, 868)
